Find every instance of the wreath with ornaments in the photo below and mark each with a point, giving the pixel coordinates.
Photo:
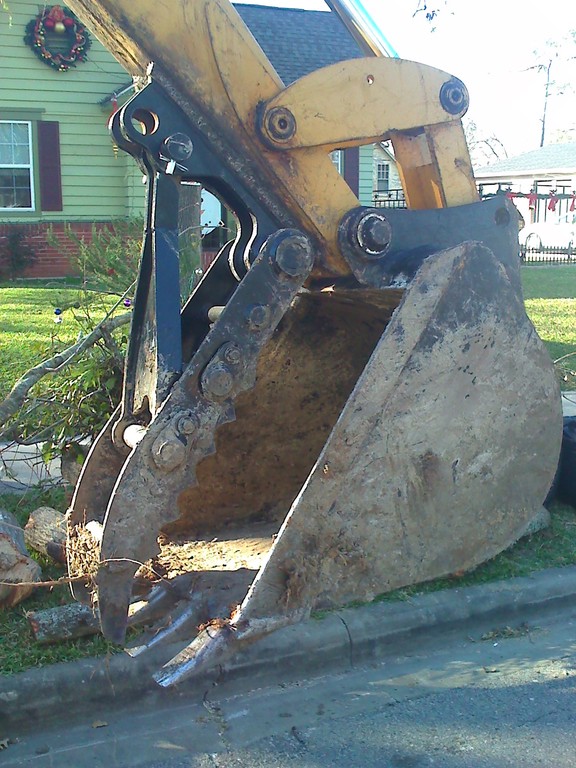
(58, 38)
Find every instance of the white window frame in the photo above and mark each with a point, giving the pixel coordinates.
(382, 176)
(29, 166)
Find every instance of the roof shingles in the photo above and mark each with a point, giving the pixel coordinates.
(296, 41)
(559, 157)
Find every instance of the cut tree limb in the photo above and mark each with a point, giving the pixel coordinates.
(16, 566)
(45, 532)
(64, 622)
(19, 391)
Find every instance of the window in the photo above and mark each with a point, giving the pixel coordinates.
(30, 172)
(16, 171)
(382, 177)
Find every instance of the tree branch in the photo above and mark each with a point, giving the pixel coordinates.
(17, 395)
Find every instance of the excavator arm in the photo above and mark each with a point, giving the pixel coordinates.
(360, 383)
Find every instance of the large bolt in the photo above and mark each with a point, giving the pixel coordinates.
(280, 124)
(178, 147)
(364, 233)
(374, 234)
(292, 252)
(454, 97)
(168, 453)
(217, 381)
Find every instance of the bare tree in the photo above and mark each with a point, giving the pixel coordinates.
(553, 54)
(485, 148)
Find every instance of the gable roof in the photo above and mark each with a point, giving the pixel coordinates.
(296, 41)
(554, 158)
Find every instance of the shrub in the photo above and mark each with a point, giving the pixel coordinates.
(71, 406)
(16, 255)
(109, 260)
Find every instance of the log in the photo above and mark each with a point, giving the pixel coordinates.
(45, 532)
(16, 566)
(66, 622)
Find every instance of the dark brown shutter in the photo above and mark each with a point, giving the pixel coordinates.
(352, 168)
(49, 162)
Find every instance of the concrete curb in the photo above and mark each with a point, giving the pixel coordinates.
(342, 640)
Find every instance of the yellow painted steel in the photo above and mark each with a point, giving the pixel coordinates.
(361, 100)
(208, 60)
(434, 166)
(367, 100)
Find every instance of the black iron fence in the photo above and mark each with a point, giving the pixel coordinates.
(393, 198)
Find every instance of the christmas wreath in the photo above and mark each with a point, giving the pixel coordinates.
(58, 38)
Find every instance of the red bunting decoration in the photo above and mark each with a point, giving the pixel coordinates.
(553, 201)
(553, 197)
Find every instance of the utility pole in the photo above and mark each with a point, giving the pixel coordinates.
(546, 94)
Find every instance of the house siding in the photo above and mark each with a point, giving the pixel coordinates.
(365, 188)
(96, 185)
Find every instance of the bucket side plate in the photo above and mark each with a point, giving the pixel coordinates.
(442, 455)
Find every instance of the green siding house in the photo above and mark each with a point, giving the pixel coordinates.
(58, 165)
(57, 162)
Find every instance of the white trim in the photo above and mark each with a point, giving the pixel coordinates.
(29, 165)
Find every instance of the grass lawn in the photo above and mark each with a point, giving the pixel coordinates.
(28, 332)
(550, 298)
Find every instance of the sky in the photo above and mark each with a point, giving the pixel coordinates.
(489, 44)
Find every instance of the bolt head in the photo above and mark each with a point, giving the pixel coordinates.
(280, 124)
(178, 147)
(169, 454)
(232, 354)
(258, 317)
(454, 97)
(217, 381)
(374, 234)
(293, 255)
(187, 424)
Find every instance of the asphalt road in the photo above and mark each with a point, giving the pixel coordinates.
(490, 701)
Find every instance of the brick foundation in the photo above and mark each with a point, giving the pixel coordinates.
(51, 244)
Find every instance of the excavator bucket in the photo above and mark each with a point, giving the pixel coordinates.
(352, 399)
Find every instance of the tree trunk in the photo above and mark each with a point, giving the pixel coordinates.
(16, 566)
(45, 532)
